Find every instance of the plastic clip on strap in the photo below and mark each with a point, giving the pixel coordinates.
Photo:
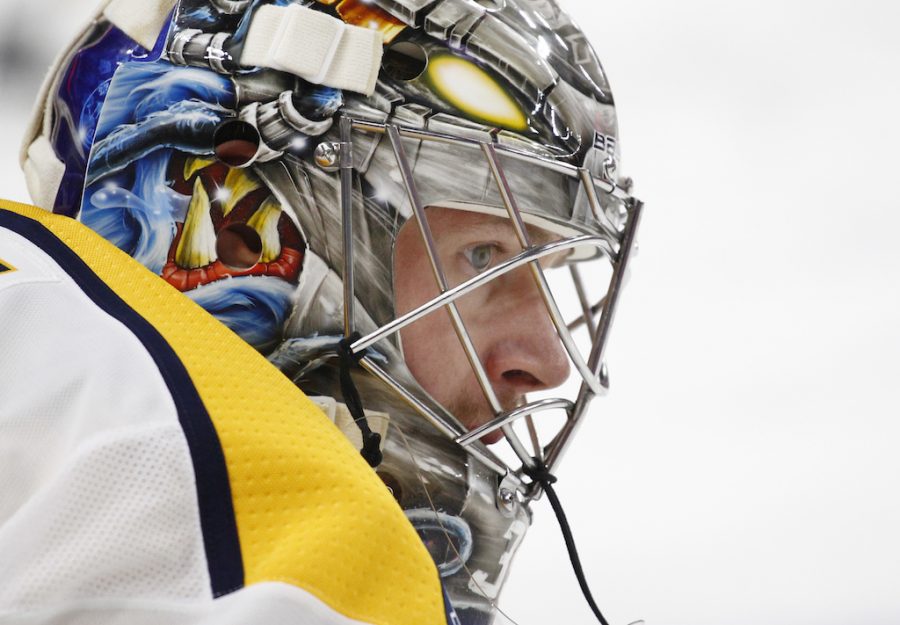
(540, 474)
(371, 450)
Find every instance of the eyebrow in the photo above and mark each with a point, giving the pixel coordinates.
(498, 227)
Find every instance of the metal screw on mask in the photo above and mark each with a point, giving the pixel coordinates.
(506, 498)
(327, 155)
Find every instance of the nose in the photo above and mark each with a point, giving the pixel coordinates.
(524, 353)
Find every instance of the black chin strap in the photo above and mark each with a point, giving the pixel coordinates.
(540, 474)
(371, 449)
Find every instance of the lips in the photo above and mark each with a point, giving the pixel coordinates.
(233, 227)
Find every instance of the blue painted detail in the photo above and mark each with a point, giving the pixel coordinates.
(123, 113)
(318, 102)
(202, 17)
(79, 99)
(447, 538)
(254, 307)
(151, 110)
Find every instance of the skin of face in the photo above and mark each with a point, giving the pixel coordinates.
(506, 318)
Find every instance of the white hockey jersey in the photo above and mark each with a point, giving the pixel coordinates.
(156, 469)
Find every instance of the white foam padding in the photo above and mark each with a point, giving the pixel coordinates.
(142, 20)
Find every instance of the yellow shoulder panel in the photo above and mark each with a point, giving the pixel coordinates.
(309, 510)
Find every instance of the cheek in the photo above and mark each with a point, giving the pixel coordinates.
(430, 349)
(413, 286)
(435, 356)
(411, 289)
(430, 346)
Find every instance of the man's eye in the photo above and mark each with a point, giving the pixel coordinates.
(481, 256)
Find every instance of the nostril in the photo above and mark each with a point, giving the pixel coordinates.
(521, 378)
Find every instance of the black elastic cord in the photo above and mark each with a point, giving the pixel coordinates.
(371, 449)
(542, 475)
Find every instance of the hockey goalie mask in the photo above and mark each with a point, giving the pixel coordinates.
(378, 175)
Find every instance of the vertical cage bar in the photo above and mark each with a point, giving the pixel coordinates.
(535, 440)
(425, 230)
(345, 156)
(562, 330)
(586, 309)
(587, 182)
(554, 453)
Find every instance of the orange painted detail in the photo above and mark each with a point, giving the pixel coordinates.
(359, 13)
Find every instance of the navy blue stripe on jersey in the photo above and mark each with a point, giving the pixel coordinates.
(220, 536)
(449, 610)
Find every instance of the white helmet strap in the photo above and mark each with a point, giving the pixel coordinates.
(314, 46)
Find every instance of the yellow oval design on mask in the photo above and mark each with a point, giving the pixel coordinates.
(474, 92)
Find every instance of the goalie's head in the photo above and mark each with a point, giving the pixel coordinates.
(411, 173)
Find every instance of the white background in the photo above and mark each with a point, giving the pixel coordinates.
(744, 469)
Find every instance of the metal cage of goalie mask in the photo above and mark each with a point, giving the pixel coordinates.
(601, 221)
